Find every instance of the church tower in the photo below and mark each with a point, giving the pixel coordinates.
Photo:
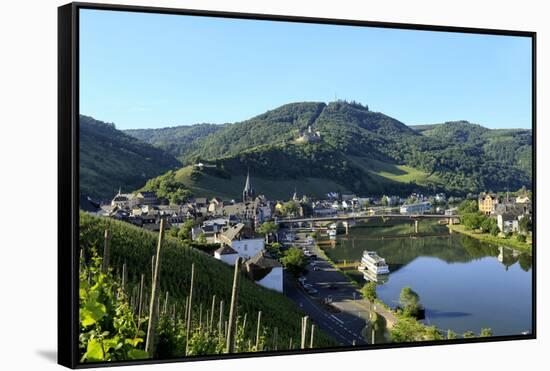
(248, 191)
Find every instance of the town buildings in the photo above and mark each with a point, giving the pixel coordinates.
(416, 208)
(487, 203)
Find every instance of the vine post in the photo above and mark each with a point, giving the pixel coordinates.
(189, 306)
(106, 239)
(140, 304)
(304, 332)
(258, 330)
(211, 327)
(230, 345)
(149, 342)
(312, 332)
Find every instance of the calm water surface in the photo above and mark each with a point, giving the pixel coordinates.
(463, 283)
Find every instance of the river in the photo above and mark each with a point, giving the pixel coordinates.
(463, 283)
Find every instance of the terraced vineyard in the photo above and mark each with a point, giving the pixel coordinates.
(131, 251)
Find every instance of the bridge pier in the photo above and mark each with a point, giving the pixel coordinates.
(346, 226)
(416, 226)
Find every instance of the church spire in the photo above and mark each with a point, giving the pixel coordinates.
(248, 191)
(247, 183)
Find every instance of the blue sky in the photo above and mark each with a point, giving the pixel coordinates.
(156, 70)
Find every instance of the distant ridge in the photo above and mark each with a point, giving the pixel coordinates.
(111, 159)
(363, 151)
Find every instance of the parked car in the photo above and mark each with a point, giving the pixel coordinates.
(316, 268)
(307, 286)
(302, 279)
(312, 291)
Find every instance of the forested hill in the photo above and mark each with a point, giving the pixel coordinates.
(110, 159)
(177, 140)
(363, 151)
(509, 146)
(350, 127)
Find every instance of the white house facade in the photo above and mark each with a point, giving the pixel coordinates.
(274, 280)
(226, 254)
(249, 247)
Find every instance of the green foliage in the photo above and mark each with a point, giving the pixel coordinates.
(173, 232)
(369, 291)
(294, 260)
(185, 230)
(468, 207)
(468, 335)
(485, 332)
(489, 225)
(110, 159)
(135, 247)
(274, 250)
(108, 331)
(432, 333)
(167, 187)
(410, 302)
(268, 228)
(526, 224)
(473, 220)
(202, 238)
(290, 208)
(451, 334)
(169, 339)
(407, 329)
(521, 238)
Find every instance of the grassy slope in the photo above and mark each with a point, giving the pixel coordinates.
(136, 246)
(486, 237)
(209, 185)
(383, 173)
(387, 171)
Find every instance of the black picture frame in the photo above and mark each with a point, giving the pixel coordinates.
(68, 174)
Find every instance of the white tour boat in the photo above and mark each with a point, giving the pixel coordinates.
(373, 263)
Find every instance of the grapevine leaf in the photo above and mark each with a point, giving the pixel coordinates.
(94, 351)
(134, 342)
(91, 313)
(137, 354)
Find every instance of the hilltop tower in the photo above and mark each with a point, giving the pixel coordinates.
(248, 191)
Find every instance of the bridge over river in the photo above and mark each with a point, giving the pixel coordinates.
(347, 220)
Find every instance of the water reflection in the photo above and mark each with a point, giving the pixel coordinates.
(463, 283)
(401, 250)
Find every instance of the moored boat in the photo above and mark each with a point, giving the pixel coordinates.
(373, 263)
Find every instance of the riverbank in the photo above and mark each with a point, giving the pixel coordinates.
(408, 328)
(449, 306)
(495, 240)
